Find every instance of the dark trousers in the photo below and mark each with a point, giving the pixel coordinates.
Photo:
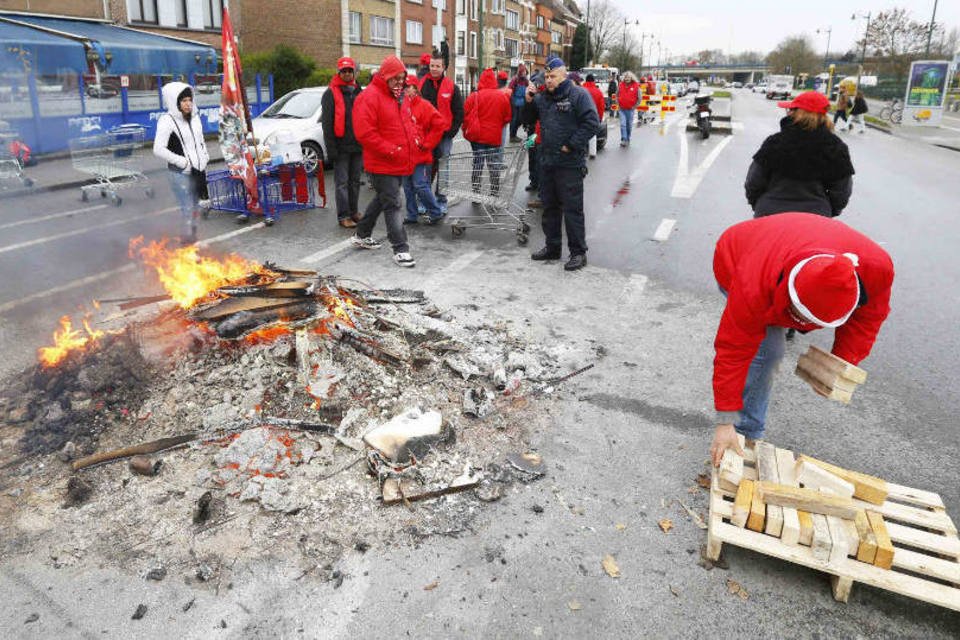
(347, 169)
(387, 202)
(492, 156)
(561, 190)
(533, 166)
(514, 120)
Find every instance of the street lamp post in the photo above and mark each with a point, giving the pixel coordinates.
(932, 24)
(643, 37)
(863, 49)
(589, 60)
(623, 46)
(826, 54)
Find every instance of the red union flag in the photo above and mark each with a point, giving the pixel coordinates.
(233, 122)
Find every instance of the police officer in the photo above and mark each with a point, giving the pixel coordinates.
(568, 119)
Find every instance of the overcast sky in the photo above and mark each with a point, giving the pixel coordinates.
(686, 26)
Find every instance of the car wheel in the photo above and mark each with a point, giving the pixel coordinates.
(312, 155)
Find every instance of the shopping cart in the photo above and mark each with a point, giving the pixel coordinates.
(10, 166)
(114, 159)
(487, 179)
(282, 188)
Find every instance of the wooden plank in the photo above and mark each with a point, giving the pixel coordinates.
(829, 392)
(938, 520)
(741, 504)
(806, 527)
(718, 509)
(853, 537)
(901, 583)
(814, 477)
(791, 521)
(867, 543)
(838, 540)
(841, 588)
(821, 544)
(884, 558)
(235, 305)
(758, 512)
(767, 469)
(824, 375)
(872, 489)
(849, 371)
(806, 499)
(927, 565)
(932, 542)
(731, 470)
(914, 496)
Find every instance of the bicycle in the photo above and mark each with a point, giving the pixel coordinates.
(893, 111)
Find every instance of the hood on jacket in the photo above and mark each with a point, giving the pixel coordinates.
(171, 95)
(800, 154)
(488, 80)
(391, 66)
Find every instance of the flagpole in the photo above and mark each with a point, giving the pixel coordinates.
(239, 72)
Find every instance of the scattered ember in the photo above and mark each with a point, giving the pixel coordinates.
(189, 277)
(267, 334)
(68, 340)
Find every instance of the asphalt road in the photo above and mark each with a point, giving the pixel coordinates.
(625, 440)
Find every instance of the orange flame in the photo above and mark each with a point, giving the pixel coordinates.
(188, 277)
(67, 340)
(266, 334)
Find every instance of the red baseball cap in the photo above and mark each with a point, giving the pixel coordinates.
(413, 81)
(812, 101)
(345, 63)
(425, 58)
(502, 75)
(825, 288)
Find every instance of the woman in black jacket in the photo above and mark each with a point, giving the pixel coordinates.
(804, 167)
(859, 109)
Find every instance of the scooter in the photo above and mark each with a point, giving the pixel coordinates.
(702, 113)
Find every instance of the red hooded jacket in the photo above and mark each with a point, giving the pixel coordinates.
(597, 96)
(426, 127)
(752, 263)
(486, 111)
(627, 96)
(379, 125)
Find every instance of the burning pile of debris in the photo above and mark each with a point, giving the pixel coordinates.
(259, 388)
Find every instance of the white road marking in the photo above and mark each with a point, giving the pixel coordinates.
(686, 182)
(52, 216)
(943, 126)
(736, 126)
(326, 253)
(456, 266)
(77, 232)
(103, 275)
(664, 229)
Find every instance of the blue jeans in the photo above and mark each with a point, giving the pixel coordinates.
(493, 157)
(182, 186)
(626, 124)
(417, 186)
(441, 156)
(756, 392)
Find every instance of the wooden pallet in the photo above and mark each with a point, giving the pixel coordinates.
(926, 561)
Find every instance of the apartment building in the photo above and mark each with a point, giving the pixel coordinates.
(421, 31)
(542, 40)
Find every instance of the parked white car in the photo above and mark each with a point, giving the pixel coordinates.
(297, 112)
(760, 88)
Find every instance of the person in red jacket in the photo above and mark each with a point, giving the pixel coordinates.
(590, 85)
(627, 97)
(426, 129)
(791, 270)
(486, 112)
(379, 126)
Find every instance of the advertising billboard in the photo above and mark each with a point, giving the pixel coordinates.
(926, 90)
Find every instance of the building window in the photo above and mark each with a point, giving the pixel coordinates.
(498, 6)
(556, 37)
(539, 22)
(461, 7)
(473, 44)
(212, 13)
(181, 7)
(442, 3)
(416, 1)
(512, 48)
(353, 35)
(460, 43)
(142, 11)
(540, 48)
(439, 34)
(381, 30)
(414, 32)
(473, 9)
(513, 20)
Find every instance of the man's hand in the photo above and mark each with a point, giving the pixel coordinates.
(531, 91)
(565, 149)
(725, 437)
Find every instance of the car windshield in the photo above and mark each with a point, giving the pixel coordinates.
(296, 104)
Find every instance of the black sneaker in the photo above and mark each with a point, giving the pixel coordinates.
(243, 218)
(575, 262)
(531, 187)
(546, 254)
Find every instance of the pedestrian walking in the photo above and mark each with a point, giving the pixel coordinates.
(612, 88)
(627, 97)
(179, 141)
(858, 111)
(485, 113)
(840, 109)
(804, 167)
(343, 150)
(568, 119)
(502, 78)
(444, 95)
(379, 125)
(793, 270)
(591, 86)
(426, 129)
(518, 87)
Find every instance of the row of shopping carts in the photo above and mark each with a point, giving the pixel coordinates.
(114, 159)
